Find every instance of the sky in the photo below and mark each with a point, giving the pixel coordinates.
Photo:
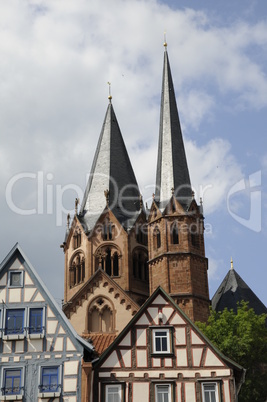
(56, 58)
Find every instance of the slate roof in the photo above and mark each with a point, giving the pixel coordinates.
(111, 170)
(172, 169)
(233, 290)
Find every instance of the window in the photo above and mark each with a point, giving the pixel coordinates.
(161, 340)
(15, 279)
(157, 239)
(50, 380)
(108, 258)
(36, 321)
(174, 234)
(77, 269)
(210, 392)
(113, 393)
(14, 322)
(12, 380)
(77, 239)
(163, 393)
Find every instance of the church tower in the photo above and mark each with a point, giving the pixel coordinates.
(105, 245)
(177, 259)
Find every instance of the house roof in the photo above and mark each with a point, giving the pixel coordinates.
(100, 341)
(232, 291)
(172, 169)
(149, 301)
(17, 250)
(111, 170)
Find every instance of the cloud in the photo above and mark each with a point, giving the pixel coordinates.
(56, 59)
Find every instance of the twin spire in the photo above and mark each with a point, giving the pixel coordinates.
(112, 171)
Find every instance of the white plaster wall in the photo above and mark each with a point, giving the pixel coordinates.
(212, 359)
(141, 358)
(71, 367)
(51, 327)
(15, 295)
(127, 357)
(226, 387)
(190, 393)
(177, 319)
(112, 361)
(28, 293)
(141, 392)
(126, 340)
(182, 358)
(70, 384)
(180, 336)
(141, 337)
(70, 346)
(35, 345)
(197, 354)
(59, 345)
(195, 339)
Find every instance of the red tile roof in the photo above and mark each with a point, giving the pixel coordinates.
(100, 341)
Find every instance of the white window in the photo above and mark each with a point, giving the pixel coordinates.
(163, 393)
(161, 340)
(210, 392)
(15, 279)
(113, 393)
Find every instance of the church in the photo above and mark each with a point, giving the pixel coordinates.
(117, 251)
(136, 278)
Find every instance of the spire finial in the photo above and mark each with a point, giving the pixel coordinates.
(141, 201)
(165, 43)
(68, 221)
(172, 190)
(109, 91)
(232, 264)
(76, 205)
(106, 192)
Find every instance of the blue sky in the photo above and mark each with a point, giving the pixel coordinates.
(56, 60)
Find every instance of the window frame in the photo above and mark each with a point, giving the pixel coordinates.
(169, 338)
(209, 383)
(14, 335)
(106, 386)
(10, 273)
(50, 393)
(18, 395)
(41, 333)
(170, 390)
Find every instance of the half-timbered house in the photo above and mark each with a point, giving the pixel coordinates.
(41, 356)
(161, 356)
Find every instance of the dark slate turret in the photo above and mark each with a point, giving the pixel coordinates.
(112, 181)
(172, 169)
(232, 291)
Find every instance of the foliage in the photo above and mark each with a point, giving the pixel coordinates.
(242, 336)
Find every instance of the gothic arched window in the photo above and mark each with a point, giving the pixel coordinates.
(140, 259)
(100, 315)
(108, 258)
(157, 239)
(77, 239)
(107, 230)
(174, 233)
(77, 270)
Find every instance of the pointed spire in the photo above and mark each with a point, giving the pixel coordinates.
(172, 169)
(111, 174)
(232, 264)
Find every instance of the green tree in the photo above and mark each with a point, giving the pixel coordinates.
(242, 336)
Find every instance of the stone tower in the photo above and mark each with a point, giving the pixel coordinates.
(177, 259)
(116, 251)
